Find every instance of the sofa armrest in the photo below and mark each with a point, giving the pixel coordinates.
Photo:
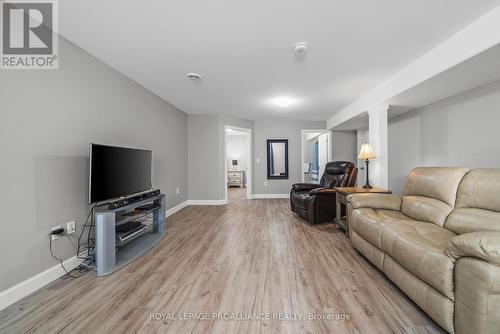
(305, 186)
(375, 201)
(483, 245)
(323, 191)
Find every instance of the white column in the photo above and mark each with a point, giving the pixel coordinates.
(379, 168)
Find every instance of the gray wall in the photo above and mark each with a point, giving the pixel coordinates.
(206, 154)
(48, 119)
(279, 130)
(204, 157)
(237, 149)
(459, 131)
(344, 146)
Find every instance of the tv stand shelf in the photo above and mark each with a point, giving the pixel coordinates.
(137, 215)
(112, 254)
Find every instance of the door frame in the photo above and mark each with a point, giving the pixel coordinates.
(302, 133)
(248, 173)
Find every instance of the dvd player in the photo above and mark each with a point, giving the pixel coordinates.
(129, 229)
(130, 234)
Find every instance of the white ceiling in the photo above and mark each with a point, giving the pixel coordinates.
(244, 50)
(477, 71)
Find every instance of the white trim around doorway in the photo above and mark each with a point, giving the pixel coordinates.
(248, 172)
(302, 133)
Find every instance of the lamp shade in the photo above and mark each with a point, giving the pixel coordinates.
(366, 152)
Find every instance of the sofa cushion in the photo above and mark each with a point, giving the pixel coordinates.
(479, 189)
(430, 193)
(478, 203)
(371, 224)
(440, 183)
(368, 225)
(420, 248)
(426, 209)
(395, 215)
(473, 220)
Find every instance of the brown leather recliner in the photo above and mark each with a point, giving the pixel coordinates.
(316, 202)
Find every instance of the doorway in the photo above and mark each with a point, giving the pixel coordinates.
(316, 152)
(238, 163)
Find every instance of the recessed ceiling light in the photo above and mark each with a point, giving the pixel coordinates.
(194, 76)
(283, 101)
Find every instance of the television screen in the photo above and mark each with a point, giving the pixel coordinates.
(117, 172)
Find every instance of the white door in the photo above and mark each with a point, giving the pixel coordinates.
(323, 155)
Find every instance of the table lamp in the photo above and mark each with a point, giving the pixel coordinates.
(366, 153)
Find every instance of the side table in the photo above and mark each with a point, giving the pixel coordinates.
(342, 193)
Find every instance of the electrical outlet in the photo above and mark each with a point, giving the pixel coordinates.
(53, 236)
(70, 227)
(177, 191)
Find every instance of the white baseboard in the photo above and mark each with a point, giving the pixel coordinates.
(263, 196)
(176, 208)
(207, 202)
(184, 204)
(23, 289)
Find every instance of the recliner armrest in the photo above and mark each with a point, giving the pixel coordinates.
(375, 201)
(323, 191)
(305, 186)
(484, 245)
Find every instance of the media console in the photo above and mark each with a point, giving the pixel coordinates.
(127, 229)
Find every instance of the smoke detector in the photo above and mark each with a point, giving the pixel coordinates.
(300, 48)
(194, 76)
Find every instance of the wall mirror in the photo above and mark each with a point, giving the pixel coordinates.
(277, 158)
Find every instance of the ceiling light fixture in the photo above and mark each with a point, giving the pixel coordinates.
(283, 101)
(300, 48)
(194, 76)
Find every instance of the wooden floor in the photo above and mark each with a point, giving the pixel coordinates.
(246, 259)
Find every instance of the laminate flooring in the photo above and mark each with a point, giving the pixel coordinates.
(251, 266)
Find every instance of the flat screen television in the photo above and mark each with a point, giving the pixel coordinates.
(118, 172)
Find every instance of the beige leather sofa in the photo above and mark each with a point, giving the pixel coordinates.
(439, 243)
